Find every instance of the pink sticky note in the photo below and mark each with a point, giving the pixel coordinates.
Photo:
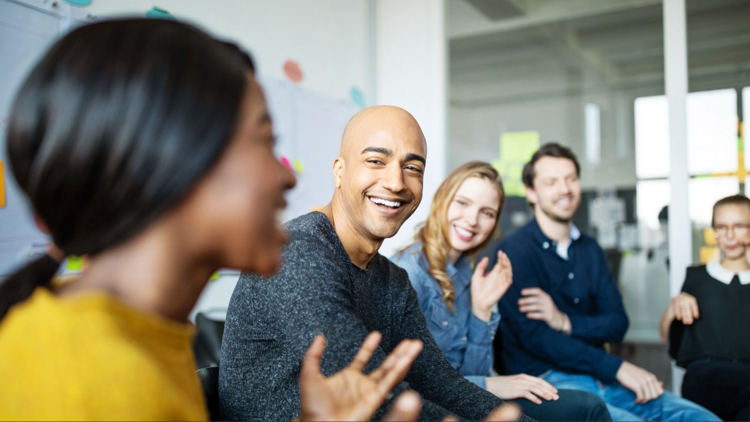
(293, 71)
(286, 163)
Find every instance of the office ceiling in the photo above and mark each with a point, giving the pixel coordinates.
(507, 50)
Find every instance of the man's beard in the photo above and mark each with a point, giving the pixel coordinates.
(558, 218)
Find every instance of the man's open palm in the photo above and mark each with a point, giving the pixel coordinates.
(350, 394)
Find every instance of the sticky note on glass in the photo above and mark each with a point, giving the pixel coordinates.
(158, 13)
(516, 149)
(75, 263)
(2, 184)
(286, 163)
(298, 166)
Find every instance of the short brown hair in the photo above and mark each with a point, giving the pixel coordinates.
(552, 149)
(738, 199)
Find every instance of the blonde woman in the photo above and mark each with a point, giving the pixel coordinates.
(457, 300)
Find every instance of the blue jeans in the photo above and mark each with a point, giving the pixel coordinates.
(621, 401)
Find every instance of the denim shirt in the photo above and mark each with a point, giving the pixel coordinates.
(465, 339)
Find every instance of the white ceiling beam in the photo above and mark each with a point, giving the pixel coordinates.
(545, 12)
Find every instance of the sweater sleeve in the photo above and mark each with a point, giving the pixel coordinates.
(610, 322)
(433, 375)
(538, 339)
(271, 323)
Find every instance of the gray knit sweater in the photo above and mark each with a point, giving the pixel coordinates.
(272, 321)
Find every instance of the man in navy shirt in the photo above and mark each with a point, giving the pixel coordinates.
(563, 304)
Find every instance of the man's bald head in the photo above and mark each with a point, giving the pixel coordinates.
(371, 120)
(379, 173)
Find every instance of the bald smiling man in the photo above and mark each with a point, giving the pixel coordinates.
(333, 281)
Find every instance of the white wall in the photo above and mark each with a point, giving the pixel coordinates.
(411, 73)
(328, 38)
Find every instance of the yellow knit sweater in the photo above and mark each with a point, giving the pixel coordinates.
(90, 357)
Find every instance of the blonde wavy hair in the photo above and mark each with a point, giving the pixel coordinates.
(433, 233)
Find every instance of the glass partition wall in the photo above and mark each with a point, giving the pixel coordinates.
(590, 75)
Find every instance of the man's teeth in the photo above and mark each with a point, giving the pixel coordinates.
(464, 232)
(386, 203)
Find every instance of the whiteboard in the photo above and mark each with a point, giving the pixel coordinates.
(308, 126)
(25, 34)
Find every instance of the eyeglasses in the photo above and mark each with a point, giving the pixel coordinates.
(739, 230)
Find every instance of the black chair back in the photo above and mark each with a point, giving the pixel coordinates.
(209, 378)
(207, 343)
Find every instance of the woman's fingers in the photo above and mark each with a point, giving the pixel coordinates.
(481, 267)
(543, 389)
(687, 314)
(694, 308)
(677, 311)
(531, 397)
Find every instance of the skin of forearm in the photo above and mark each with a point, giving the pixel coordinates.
(666, 320)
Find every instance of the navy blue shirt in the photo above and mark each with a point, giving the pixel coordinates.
(581, 286)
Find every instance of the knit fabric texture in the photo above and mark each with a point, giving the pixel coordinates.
(271, 321)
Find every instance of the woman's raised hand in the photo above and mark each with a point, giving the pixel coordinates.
(488, 288)
(350, 394)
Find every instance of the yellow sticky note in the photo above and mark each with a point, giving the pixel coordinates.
(2, 184)
(214, 276)
(518, 146)
(709, 237)
(298, 166)
(75, 263)
(709, 253)
(516, 149)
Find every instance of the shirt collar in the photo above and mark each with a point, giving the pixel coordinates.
(575, 234)
(546, 242)
(722, 274)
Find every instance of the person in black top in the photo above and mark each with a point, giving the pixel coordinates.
(708, 323)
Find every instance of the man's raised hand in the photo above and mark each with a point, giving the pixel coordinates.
(350, 394)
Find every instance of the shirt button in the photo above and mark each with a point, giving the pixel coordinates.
(570, 276)
(445, 323)
(463, 338)
(458, 364)
(545, 245)
(576, 300)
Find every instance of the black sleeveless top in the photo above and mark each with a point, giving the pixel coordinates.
(723, 329)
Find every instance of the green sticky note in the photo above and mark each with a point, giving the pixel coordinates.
(214, 276)
(516, 149)
(298, 166)
(75, 263)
